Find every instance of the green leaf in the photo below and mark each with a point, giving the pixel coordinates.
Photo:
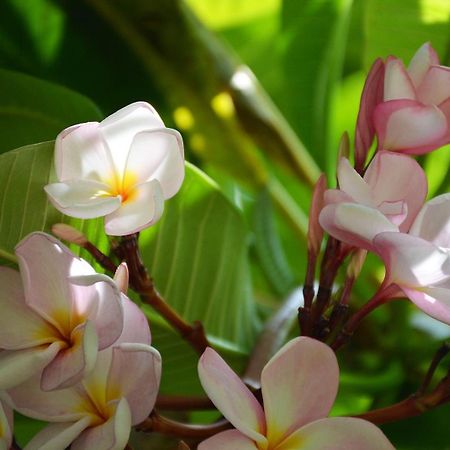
(399, 28)
(32, 110)
(197, 256)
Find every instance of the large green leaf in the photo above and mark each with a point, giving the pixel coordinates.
(32, 110)
(197, 254)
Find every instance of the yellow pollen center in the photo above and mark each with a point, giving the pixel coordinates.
(120, 187)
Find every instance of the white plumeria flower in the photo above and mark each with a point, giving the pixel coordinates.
(122, 168)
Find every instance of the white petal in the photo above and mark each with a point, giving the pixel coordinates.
(433, 221)
(82, 199)
(139, 212)
(435, 87)
(421, 62)
(120, 128)
(158, 154)
(17, 366)
(80, 153)
(111, 435)
(352, 184)
(397, 83)
(58, 436)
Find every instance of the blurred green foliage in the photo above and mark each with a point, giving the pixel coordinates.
(262, 91)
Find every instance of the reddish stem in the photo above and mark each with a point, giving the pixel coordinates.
(382, 296)
(163, 425)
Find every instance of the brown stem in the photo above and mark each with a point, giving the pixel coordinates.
(383, 295)
(333, 257)
(304, 313)
(441, 353)
(412, 406)
(104, 260)
(183, 403)
(163, 425)
(143, 285)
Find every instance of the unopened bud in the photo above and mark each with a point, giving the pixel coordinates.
(121, 277)
(315, 231)
(356, 263)
(69, 234)
(344, 146)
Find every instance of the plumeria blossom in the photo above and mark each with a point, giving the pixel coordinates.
(414, 116)
(56, 314)
(387, 198)
(6, 425)
(419, 262)
(299, 386)
(122, 168)
(98, 412)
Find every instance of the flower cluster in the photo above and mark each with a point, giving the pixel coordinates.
(75, 350)
(384, 210)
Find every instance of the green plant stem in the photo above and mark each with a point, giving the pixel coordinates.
(8, 256)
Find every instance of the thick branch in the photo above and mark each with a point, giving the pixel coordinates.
(163, 425)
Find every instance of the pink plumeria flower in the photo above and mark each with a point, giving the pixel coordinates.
(419, 262)
(299, 386)
(414, 116)
(122, 168)
(387, 198)
(98, 412)
(55, 315)
(6, 426)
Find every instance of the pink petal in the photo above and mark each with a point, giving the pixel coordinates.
(228, 440)
(20, 326)
(411, 261)
(45, 265)
(231, 397)
(299, 385)
(71, 364)
(336, 196)
(16, 366)
(421, 62)
(143, 210)
(408, 126)
(112, 435)
(80, 153)
(434, 301)
(435, 87)
(157, 154)
(58, 435)
(97, 298)
(352, 184)
(64, 405)
(337, 433)
(82, 198)
(120, 128)
(354, 224)
(397, 83)
(433, 221)
(371, 96)
(135, 324)
(136, 373)
(394, 177)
